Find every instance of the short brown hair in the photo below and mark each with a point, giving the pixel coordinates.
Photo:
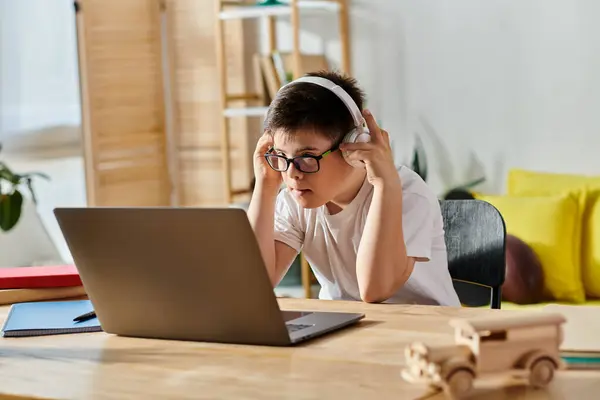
(309, 106)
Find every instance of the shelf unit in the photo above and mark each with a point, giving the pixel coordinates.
(246, 9)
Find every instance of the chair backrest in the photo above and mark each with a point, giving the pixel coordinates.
(475, 236)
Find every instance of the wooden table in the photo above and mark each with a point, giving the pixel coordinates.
(361, 362)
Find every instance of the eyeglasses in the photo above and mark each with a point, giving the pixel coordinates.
(308, 164)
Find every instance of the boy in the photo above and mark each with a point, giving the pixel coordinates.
(371, 232)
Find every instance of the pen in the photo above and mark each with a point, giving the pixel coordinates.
(85, 317)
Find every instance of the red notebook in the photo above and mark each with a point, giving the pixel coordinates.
(39, 277)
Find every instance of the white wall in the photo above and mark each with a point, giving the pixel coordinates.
(489, 84)
(39, 121)
(38, 66)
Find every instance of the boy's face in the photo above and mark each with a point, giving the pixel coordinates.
(312, 190)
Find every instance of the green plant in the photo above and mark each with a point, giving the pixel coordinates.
(11, 198)
(419, 165)
(419, 161)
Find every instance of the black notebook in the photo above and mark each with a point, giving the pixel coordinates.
(48, 318)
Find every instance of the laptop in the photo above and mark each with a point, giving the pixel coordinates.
(183, 274)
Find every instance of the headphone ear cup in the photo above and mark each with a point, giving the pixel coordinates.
(350, 136)
(356, 136)
(364, 137)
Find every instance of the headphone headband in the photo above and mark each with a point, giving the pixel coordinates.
(338, 91)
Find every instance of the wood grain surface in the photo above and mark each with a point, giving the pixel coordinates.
(360, 362)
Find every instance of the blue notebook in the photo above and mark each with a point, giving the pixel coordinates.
(577, 362)
(48, 318)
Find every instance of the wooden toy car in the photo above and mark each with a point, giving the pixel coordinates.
(523, 346)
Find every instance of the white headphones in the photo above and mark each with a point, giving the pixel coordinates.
(360, 132)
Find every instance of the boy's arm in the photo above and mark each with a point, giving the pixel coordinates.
(261, 213)
(382, 264)
(277, 256)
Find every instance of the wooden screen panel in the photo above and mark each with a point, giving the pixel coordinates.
(122, 82)
(195, 92)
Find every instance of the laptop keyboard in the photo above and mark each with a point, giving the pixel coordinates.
(296, 327)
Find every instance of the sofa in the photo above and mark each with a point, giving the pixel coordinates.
(558, 217)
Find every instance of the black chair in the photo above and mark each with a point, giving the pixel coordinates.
(475, 236)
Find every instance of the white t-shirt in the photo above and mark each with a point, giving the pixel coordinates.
(330, 243)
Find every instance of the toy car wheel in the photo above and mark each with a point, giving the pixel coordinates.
(460, 382)
(542, 373)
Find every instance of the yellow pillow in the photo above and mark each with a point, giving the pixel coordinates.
(551, 225)
(590, 255)
(534, 183)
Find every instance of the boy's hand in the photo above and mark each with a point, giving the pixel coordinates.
(377, 154)
(265, 175)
